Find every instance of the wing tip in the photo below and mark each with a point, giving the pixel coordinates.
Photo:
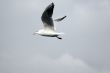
(52, 4)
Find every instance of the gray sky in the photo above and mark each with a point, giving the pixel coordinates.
(85, 47)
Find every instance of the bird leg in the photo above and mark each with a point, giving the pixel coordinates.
(59, 37)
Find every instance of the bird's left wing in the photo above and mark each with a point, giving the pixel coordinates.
(47, 16)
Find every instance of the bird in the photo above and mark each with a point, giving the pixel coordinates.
(49, 30)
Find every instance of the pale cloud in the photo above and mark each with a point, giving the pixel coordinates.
(64, 64)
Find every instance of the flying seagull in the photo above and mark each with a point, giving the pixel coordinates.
(49, 30)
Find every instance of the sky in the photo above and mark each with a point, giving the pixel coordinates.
(85, 47)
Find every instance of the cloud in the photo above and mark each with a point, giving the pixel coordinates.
(64, 64)
(40, 63)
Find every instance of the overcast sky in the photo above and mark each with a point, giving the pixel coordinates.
(85, 47)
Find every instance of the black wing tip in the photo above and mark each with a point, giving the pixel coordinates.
(65, 16)
(52, 4)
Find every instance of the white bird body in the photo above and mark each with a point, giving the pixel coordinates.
(47, 20)
(48, 32)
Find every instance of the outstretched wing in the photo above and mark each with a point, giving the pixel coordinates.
(60, 19)
(47, 17)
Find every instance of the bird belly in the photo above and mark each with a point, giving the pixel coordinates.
(49, 35)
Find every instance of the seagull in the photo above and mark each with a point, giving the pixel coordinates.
(48, 29)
